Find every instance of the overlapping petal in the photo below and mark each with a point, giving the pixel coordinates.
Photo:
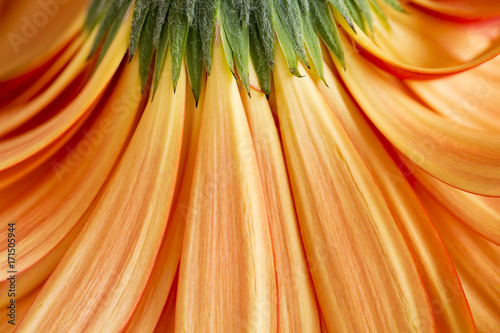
(363, 272)
(125, 228)
(420, 46)
(466, 158)
(438, 274)
(476, 259)
(227, 280)
(297, 311)
(66, 186)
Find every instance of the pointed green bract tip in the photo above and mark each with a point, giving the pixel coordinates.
(250, 31)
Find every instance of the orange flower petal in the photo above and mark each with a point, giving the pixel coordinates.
(166, 323)
(99, 282)
(160, 284)
(226, 276)
(419, 46)
(33, 34)
(363, 273)
(462, 157)
(13, 117)
(470, 98)
(481, 214)
(52, 201)
(468, 10)
(477, 262)
(298, 310)
(14, 150)
(433, 262)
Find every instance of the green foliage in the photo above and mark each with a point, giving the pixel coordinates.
(250, 31)
(194, 61)
(260, 60)
(237, 38)
(139, 17)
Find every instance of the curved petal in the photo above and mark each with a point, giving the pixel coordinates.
(465, 158)
(481, 214)
(53, 201)
(363, 272)
(470, 98)
(419, 46)
(477, 262)
(125, 229)
(433, 262)
(31, 85)
(461, 10)
(22, 306)
(297, 310)
(35, 32)
(13, 117)
(14, 150)
(226, 275)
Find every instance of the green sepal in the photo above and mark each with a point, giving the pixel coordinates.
(194, 61)
(106, 22)
(178, 27)
(205, 20)
(146, 47)
(228, 53)
(161, 51)
(287, 47)
(288, 14)
(243, 7)
(113, 30)
(95, 11)
(304, 6)
(324, 24)
(161, 15)
(364, 8)
(190, 6)
(356, 14)
(259, 59)
(262, 13)
(238, 39)
(141, 9)
(343, 10)
(312, 43)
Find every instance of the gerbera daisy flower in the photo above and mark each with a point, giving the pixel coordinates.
(250, 165)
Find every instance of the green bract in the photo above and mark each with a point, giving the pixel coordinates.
(250, 29)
